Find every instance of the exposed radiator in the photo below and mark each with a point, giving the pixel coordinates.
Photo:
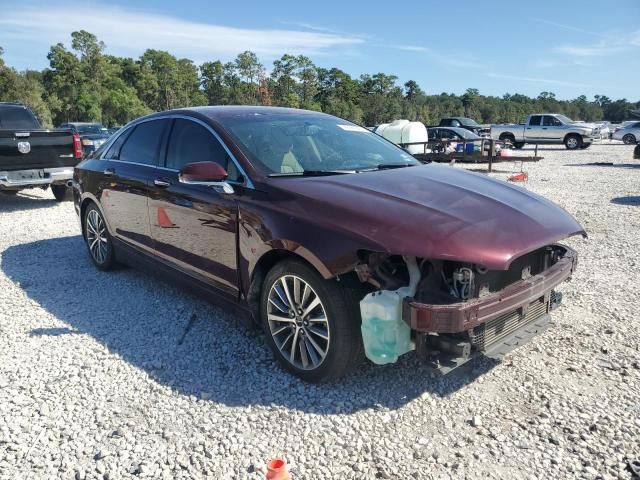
(485, 335)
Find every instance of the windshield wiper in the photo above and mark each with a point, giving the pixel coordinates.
(386, 166)
(311, 173)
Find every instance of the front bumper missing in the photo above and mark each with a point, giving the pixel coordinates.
(464, 316)
(448, 336)
(443, 361)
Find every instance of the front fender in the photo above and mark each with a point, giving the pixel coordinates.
(262, 230)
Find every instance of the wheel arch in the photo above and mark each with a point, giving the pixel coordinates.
(267, 261)
(571, 134)
(505, 135)
(86, 200)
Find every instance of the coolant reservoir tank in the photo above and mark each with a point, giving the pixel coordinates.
(384, 334)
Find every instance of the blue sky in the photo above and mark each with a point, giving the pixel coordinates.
(568, 47)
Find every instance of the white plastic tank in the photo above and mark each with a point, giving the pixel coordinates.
(404, 131)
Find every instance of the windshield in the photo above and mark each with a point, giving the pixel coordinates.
(468, 121)
(564, 119)
(94, 128)
(467, 135)
(297, 143)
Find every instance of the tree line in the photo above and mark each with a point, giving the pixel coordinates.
(87, 84)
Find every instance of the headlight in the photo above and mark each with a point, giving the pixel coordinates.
(98, 143)
(87, 141)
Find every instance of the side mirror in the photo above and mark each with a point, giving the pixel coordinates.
(205, 173)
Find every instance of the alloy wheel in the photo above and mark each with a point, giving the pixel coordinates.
(572, 143)
(97, 239)
(298, 322)
(629, 139)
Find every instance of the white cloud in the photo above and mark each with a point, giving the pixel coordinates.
(580, 51)
(610, 45)
(412, 48)
(548, 81)
(129, 32)
(569, 27)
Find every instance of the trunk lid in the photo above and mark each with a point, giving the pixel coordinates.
(46, 149)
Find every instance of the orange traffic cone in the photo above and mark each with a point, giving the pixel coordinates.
(277, 470)
(163, 219)
(520, 177)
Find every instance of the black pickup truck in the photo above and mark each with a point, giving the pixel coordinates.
(463, 122)
(31, 156)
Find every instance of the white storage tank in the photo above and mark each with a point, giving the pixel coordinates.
(404, 131)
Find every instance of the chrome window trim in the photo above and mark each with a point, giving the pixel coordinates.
(247, 181)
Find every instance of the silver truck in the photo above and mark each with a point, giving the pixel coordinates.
(548, 128)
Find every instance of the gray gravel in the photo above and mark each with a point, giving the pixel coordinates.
(117, 375)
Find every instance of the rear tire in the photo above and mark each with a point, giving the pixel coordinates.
(99, 242)
(518, 145)
(584, 146)
(573, 142)
(317, 345)
(629, 139)
(61, 192)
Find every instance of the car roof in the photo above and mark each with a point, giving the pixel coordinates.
(459, 130)
(219, 112)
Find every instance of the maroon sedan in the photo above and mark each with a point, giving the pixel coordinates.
(338, 242)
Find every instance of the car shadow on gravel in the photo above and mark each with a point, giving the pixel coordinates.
(633, 200)
(194, 347)
(604, 164)
(24, 201)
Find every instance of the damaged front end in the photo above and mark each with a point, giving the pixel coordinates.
(450, 312)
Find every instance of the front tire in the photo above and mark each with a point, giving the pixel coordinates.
(10, 193)
(508, 138)
(518, 145)
(99, 242)
(61, 192)
(629, 139)
(584, 146)
(573, 142)
(312, 325)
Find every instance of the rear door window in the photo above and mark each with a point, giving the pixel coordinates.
(143, 144)
(114, 150)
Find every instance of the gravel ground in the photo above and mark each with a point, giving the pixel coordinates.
(117, 375)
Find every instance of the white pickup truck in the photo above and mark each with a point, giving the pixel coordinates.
(548, 128)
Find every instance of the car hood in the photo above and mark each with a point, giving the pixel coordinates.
(433, 211)
(588, 126)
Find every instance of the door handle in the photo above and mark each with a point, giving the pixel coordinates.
(109, 171)
(158, 182)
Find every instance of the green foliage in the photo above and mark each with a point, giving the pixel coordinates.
(85, 84)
